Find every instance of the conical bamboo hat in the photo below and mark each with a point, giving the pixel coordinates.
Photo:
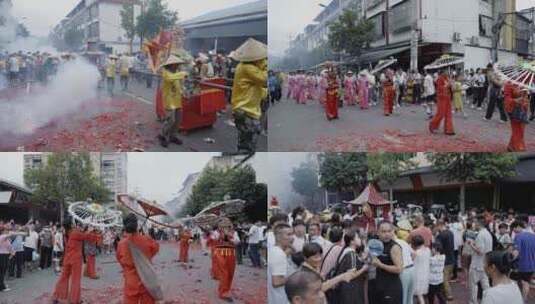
(251, 50)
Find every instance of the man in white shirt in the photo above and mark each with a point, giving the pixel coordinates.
(480, 247)
(407, 275)
(314, 230)
(255, 235)
(300, 236)
(278, 264)
(457, 228)
(429, 92)
(30, 245)
(279, 218)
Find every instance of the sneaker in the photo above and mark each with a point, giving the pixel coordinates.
(503, 121)
(484, 118)
(6, 289)
(479, 108)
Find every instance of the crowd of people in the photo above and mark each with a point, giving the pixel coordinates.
(66, 249)
(354, 257)
(442, 92)
(19, 68)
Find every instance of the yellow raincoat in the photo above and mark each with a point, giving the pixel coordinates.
(110, 69)
(124, 65)
(250, 87)
(172, 89)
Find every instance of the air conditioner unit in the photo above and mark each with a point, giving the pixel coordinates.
(474, 40)
(456, 37)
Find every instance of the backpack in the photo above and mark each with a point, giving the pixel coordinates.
(332, 293)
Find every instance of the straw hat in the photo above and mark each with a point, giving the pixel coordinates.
(173, 60)
(251, 50)
(349, 72)
(404, 224)
(113, 57)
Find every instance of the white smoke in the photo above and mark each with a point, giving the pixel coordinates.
(8, 27)
(74, 84)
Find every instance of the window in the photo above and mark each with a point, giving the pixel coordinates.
(378, 26)
(485, 26)
(402, 17)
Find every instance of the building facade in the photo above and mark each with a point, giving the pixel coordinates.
(109, 167)
(176, 204)
(460, 27)
(100, 22)
(225, 30)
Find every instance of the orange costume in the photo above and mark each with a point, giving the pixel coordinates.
(185, 238)
(224, 261)
(443, 106)
(90, 269)
(512, 92)
(72, 267)
(212, 240)
(388, 96)
(134, 290)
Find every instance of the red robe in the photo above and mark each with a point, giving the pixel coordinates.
(388, 96)
(72, 267)
(331, 98)
(134, 291)
(511, 92)
(224, 261)
(443, 107)
(185, 237)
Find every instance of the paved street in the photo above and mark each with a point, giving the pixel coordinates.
(294, 127)
(125, 122)
(181, 285)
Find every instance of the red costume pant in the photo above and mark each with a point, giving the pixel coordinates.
(225, 263)
(90, 269)
(184, 249)
(516, 144)
(331, 106)
(388, 96)
(144, 298)
(71, 272)
(443, 112)
(213, 269)
(160, 111)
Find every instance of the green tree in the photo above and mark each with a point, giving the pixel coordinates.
(343, 171)
(73, 38)
(305, 180)
(128, 23)
(387, 167)
(464, 167)
(66, 177)
(156, 17)
(238, 183)
(350, 34)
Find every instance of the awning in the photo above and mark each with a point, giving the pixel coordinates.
(370, 196)
(5, 197)
(375, 56)
(525, 172)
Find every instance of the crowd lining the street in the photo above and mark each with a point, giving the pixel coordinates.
(36, 247)
(352, 257)
(451, 89)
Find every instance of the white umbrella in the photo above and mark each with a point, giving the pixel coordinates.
(383, 64)
(444, 61)
(95, 215)
(522, 74)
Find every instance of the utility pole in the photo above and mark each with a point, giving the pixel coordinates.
(415, 36)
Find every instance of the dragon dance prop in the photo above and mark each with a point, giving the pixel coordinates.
(383, 64)
(522, 74)
(444, 61)
(96, 215)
